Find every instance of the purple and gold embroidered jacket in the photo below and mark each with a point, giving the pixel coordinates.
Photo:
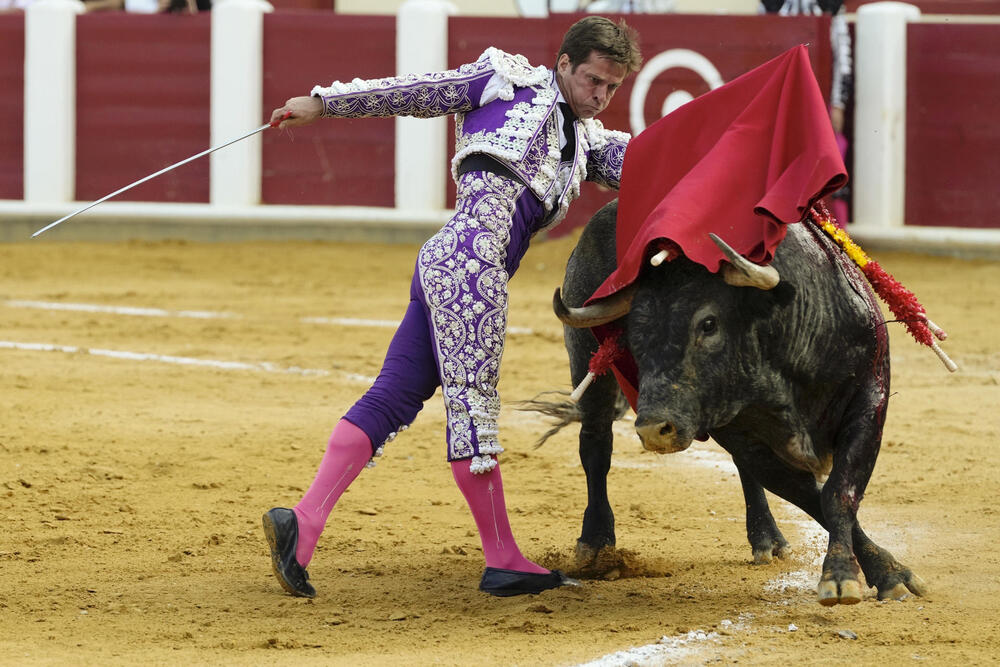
(517, 125)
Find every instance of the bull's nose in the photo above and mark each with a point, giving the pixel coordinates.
(660, 436)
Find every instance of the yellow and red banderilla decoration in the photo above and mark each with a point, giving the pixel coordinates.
(901, 301)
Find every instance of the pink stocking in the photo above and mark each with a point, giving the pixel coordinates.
(346, 454)
(484, 494)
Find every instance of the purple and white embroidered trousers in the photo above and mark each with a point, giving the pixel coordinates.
(452, 334)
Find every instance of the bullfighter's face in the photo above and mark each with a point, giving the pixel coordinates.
(589, 87)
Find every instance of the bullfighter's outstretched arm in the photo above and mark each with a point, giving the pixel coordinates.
(418, 95)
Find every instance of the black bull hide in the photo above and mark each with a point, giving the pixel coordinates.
(792, 382)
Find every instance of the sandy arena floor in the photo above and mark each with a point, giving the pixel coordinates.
(138, 449)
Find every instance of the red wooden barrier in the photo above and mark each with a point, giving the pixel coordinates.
(952, 134)
(12, 106)
(334, 162)
(143, 93)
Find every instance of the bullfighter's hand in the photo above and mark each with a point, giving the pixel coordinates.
(302, 110)
(837, 118)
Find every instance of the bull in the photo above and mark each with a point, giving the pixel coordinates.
(790, 376)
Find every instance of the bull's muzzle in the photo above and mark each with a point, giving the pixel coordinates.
(660, 436)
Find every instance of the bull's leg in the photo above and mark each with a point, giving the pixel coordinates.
(797, 487)
(597, 414)
(765, 538)
(761, 469)
(831, 508)
(856, 448)
(893, 579)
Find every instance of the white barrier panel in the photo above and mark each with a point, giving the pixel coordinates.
(879, 180)
(50, 103)
(237, 92)
(421, 143)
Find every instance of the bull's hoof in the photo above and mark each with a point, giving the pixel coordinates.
(766, 540)
(912, 584)
(586, 555)
(846, 591)
(606, 563)
(768, 554)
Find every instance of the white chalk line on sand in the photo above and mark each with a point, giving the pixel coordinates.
(667, 648)
(197, 314)
(117, 310)
(259, 366)
(210, 314)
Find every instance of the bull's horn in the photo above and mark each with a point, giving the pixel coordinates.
(603, 311)
(741, 272)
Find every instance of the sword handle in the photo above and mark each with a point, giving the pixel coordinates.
(276, 123)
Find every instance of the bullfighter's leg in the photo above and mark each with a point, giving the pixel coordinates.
(463, 272)
(411, 373)
(407, 379)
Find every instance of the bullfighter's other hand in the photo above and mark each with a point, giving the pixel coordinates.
(837, 118)
(299, 110)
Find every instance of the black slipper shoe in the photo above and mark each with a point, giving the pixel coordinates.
(281, 529)
(505, 583)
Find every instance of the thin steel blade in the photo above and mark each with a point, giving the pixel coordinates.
(150, 177)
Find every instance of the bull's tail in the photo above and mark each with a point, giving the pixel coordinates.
(565, 410)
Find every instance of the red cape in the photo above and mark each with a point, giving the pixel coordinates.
(741, 161)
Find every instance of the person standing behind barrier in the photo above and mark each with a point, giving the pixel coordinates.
(525, 138)
(13, 5)
(843, 72)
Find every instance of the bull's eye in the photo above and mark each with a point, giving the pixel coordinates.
(708, 326)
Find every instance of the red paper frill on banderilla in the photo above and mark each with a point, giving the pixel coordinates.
(741, 161)
(902, 302)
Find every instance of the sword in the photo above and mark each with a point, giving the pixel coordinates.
(162, 171)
